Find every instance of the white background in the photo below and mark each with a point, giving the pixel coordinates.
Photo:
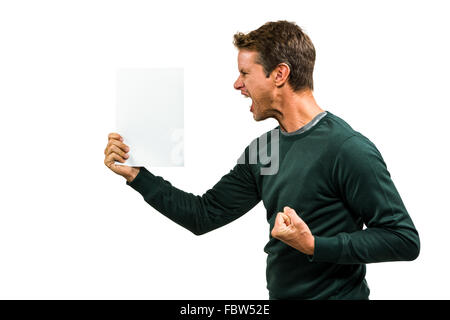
(72, 229)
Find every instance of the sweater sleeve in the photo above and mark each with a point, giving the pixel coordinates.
(231, 197)
(364, 184)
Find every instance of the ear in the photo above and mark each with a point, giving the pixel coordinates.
(281, 74)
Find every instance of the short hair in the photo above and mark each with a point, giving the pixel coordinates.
(282, 42)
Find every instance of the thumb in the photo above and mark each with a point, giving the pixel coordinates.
(289, 212)
(121, 169)
(286, 218)
(292, 214)
(282, 219)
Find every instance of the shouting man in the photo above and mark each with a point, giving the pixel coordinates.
(325, 181)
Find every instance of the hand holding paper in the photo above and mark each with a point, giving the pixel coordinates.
(116, 150)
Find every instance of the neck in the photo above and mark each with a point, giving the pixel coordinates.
(296, 109)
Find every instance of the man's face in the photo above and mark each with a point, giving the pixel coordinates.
(252, 82)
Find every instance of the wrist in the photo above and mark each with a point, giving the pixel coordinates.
(311, 246)
(133, 174)
(303, 244)
(306, 245)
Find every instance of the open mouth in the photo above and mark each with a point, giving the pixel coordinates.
(245, 94)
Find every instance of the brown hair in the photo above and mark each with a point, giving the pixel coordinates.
(282, 42)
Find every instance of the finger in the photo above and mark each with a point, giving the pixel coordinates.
(117, 168)
(288, 210)
(291, 213)
(114, 138)
(111, 158)
(280, 219)
(279, 225)
(119, 151)
(117, 143)
(114, 135)
(286, 218)
(295, 218)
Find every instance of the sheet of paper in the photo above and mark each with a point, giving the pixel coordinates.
(150, 115)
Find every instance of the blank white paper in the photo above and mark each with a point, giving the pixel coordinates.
(150, 115)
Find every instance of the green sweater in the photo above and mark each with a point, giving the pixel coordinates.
(336, 180)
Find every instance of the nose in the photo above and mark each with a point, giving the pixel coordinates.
(238, 84)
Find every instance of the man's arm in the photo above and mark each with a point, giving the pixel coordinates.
(364, 183)
(234, 195)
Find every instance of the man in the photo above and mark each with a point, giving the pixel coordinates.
(329, 180)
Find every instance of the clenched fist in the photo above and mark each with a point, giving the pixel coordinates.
(116, 150)
(293, 231)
